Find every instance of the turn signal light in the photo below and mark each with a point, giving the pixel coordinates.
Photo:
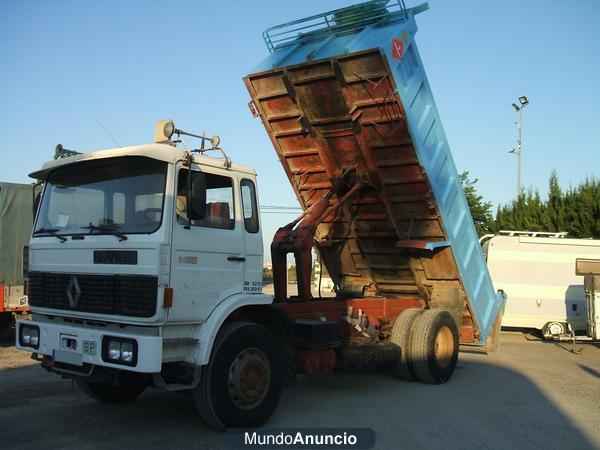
(168, 297)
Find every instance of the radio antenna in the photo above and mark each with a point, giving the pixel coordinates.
(109, 135)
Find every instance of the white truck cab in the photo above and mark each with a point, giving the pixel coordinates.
(126, 288)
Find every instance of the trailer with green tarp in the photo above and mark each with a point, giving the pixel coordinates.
(16, 219)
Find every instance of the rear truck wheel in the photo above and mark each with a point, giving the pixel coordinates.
(552, 329)
(108, 393)
(242, 383)
(434, 346)
(401, 336)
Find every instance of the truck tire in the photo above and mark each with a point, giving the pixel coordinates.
(112, 393)
(242, 383)
(401, 336)
(434, 346)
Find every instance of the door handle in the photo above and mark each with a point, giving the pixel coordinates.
(236, 258)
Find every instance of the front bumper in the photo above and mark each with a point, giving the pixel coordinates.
(149, 348)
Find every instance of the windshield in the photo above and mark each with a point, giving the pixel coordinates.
(107, 196)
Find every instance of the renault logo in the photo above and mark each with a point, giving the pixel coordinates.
(73, 292)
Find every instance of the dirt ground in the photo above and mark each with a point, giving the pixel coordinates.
(530, 394)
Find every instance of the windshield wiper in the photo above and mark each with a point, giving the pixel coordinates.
(51, 231)
(109, 229)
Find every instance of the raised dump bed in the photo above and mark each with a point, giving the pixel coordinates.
(345, 92)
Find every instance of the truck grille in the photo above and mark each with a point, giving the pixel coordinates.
(124, 295)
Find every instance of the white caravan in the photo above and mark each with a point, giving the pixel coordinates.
(536, 270)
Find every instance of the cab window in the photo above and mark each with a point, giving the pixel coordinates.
(219, 201)
(249, 206)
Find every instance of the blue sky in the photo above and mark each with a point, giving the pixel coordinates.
(68, 64)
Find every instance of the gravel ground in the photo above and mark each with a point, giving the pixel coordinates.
(531, 394)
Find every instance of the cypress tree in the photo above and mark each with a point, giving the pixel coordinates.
(576, 210)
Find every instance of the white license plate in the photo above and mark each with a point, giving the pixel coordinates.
(68, 357)
(89, 347)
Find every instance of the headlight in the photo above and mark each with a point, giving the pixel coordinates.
(114, 350)
(35, 337)
(127, 352)
(29, 336)
(119, 350)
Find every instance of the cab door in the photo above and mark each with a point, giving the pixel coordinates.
(208, 256)
(253, 243)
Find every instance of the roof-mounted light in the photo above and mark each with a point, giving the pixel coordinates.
(61, 152)
(165, 129)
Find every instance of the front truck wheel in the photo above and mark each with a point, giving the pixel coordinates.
(108, 393)
(401, 336)
(242, 383)
(434, 346)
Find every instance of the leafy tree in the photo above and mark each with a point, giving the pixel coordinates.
(576, 211)
(582, 209)
(480, 210)
(267, 275)
(554, 217)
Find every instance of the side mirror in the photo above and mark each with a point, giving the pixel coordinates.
(197, 199)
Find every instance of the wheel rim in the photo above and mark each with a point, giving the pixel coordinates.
(555, 328)
(444, 346)
(249, 378)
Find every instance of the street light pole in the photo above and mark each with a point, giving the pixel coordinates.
(519, 109)
(519, 150)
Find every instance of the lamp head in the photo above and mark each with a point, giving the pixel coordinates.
(164, 130)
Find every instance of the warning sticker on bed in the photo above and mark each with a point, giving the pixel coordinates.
(397, 48)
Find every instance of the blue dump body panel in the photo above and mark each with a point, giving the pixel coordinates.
(348, 89)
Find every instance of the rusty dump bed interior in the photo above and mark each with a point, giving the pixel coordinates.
(330, 116)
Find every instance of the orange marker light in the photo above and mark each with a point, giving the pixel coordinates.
(168, 297)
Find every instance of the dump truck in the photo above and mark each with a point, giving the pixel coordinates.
(145, 265)
(16, 219)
